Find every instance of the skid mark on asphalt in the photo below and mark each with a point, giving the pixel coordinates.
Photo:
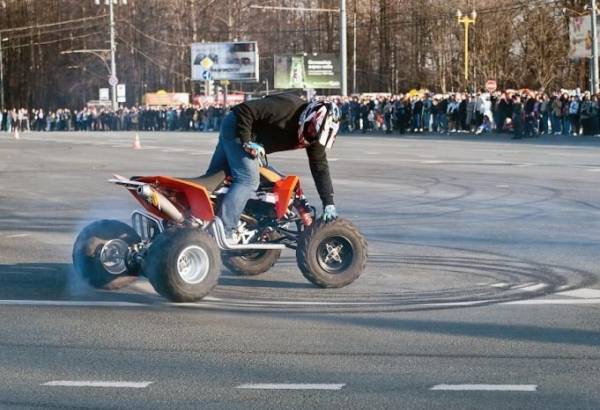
(20, 235)
(583, 293)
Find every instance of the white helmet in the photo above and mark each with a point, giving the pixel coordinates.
(319, 122)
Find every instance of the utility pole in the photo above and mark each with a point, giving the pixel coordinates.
(354, 54)
(595, 68)
(1, 76)
(113, 63)
(343, 48)
(467, 21)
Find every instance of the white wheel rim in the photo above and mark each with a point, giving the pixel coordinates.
(193, 264)
(113, 256)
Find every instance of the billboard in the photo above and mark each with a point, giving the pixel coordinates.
(225, 61)
(580, 37)
(163, 98)
(307, 71)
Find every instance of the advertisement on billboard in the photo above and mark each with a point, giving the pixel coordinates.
(580, 37)
(307, 71)
(225, 61)
(163, 98)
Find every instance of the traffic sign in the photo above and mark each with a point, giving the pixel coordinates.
(491, 86)
(206, 75)
(207, 63)
(104, 94)
(113, 81)
(121, 93)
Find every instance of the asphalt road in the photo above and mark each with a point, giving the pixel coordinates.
(481, 289)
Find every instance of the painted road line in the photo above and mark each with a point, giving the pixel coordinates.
(98, 383)
(583, 293)
(555, 302)
(500, 285)
(485, 387)
(291, 386)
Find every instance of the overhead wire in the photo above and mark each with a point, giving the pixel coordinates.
(58, 23)
(152, 60)
(39, 43)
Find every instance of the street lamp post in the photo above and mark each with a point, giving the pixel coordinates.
(113, 81)
(595, 70)
(466, 21)
(1, 75)
(343, 47)
(113, 64)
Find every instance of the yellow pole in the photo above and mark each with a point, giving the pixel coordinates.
(467, 53)
(466, 21)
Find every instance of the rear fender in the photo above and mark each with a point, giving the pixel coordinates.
(196, 197)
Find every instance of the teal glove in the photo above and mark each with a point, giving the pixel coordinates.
(329, 213)
(253, 149)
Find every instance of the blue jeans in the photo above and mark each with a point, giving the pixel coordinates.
(230, 156)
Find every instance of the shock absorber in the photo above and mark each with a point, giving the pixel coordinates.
(303, 208)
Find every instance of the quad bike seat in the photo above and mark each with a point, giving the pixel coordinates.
(210, 182)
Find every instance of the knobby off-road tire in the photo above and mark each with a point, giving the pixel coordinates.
(251, 263)
(322, 240)
(183, 265)
(87, 249)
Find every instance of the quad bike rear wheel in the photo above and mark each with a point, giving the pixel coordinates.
(100, 254)
(333, 254)
(251, 263)
(183, 265)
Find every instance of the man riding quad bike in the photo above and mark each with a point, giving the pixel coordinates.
(175, 242)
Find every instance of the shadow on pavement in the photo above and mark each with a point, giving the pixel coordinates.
(58, 281)
(486, 330)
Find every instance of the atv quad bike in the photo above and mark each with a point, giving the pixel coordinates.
(178, 243)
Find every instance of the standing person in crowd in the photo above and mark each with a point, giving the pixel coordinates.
(574, 115)
(595, 114)
(556, 104)
(471, 110)
(586, 113)
(462, 113)
(517, 117)
(442, 119)
(452, 112)
(427, 104)
(545, 109)
(417, 110)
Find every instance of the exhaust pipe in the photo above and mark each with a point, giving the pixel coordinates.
(158, 200)
(218, 231)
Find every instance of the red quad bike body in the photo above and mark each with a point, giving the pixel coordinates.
(178, 242)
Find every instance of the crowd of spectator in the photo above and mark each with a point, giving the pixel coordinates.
(522, 113)
(180, 118)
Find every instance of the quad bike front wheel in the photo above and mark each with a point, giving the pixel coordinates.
(333, 254)
(100, 254)
(183, 265)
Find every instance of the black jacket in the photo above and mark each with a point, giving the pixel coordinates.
(273, 122)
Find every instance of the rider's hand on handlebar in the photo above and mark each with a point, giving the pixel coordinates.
(329, 213)
(253, 149)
